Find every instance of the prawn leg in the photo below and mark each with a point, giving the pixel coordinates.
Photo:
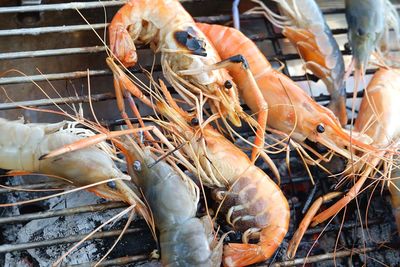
(122, 87)
(120, 103)
(305, 223)
(353, 192)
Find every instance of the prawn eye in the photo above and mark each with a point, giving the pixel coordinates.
(320, 128)
(360, 32)
(194, 122)
(228, 84)
(111, 184)
(137, 165)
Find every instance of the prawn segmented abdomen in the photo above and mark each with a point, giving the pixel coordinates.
(256, 200)
(184, 239)
(19, 144)
(184, 245)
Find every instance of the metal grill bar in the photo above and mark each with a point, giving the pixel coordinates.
(61, 100)
(63, 212)
(95, 26)
(82, 74)
(60, 7)
(310, 259)
(104, 97)
(322, 257)
(119, 261)
(96, 49)
(85, 27)
(100, 4)
(66, 6)
(270, 35)
(54, 76)
(51, 29)
(52, 52)
(69, 239)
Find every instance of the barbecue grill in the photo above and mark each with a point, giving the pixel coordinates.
(55, 47)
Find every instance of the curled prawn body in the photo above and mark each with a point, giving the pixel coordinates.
(253, 203)
(377, 119)
(26, 144)
(187, 58)
(220, 164)
(379, 108)
(304, 25)
(184, 239)
(290, 109)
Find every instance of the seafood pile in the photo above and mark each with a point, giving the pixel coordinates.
(180, 168)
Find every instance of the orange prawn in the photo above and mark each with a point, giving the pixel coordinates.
(291, 110)
(303, 23)
(189, 62)
(378, 119)
(24, 148)
(253, 202)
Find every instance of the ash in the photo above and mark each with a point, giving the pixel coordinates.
(52, 228)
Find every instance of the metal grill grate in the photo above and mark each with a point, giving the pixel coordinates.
(55, 39)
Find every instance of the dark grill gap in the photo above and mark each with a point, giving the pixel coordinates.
(296, 187)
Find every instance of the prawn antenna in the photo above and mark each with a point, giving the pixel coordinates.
(166, 155)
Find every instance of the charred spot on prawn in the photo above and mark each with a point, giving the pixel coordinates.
(320, 128)
(137, 165)
(191, 41)
(239, 59)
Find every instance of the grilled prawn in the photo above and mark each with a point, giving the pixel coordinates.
(188, 60)
(378, 119)
(24, 145)
(254, 203)
(304, 25)
(369, 23)
(184, 239)
(291, 110)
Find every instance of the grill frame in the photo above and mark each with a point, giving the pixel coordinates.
(271, 36)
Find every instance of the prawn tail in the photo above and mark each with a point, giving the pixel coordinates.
(236, 254)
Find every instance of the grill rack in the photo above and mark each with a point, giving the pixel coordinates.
(289, 183)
